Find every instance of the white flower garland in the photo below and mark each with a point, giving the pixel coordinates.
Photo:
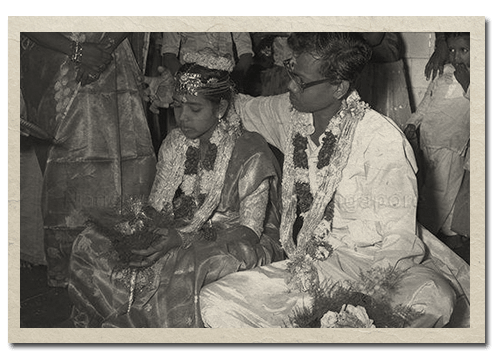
(202, 182)
(311, 240)
(209, 182)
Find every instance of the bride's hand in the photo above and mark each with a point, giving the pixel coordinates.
(166, 241)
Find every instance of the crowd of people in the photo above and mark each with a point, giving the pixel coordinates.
(287, 162)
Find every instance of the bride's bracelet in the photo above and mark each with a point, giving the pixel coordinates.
(76, 52)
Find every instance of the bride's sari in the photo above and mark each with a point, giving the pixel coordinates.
(167, 293)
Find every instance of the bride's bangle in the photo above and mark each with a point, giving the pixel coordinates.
(76, 52)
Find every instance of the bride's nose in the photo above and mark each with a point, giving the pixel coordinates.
(181, 117)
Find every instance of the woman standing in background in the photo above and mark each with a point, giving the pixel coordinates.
(81, 88)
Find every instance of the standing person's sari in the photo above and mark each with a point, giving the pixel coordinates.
(102, 151)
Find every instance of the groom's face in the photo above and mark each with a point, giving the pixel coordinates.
(306, 69)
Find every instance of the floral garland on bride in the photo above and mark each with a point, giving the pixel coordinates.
(201, 182)
(314, 199)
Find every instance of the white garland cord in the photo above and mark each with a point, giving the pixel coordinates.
(351, 112)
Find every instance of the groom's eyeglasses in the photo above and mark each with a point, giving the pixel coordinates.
(298, 84)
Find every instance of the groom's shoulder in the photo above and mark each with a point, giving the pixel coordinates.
(376, 124)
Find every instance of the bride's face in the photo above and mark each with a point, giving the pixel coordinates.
(195, 115)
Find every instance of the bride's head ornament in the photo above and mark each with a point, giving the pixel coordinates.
(204, 73)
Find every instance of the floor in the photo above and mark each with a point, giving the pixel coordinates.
(41, 306)
(463, 250)
(47, 307)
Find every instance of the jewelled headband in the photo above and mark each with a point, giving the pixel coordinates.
(192, 83)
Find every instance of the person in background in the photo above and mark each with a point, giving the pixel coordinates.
(444, 120)
(382, 83)
(267, 75)
(82, 90)
(176, 45)
(439, 57)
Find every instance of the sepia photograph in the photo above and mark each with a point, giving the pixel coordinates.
(289, 179)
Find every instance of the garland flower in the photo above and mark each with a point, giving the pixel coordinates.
(200, 177)
(314, 199)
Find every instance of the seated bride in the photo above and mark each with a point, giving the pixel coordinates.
(356, 255)
(213, 210)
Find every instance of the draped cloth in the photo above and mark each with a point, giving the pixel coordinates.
(168, 292)
(103, 152)
(223, 43)
(260, 298)
(30, 185)
(374, 225)
(31, 233)
(444, 119)
(382, 83)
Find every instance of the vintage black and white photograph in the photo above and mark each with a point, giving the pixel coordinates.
(266, 179)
